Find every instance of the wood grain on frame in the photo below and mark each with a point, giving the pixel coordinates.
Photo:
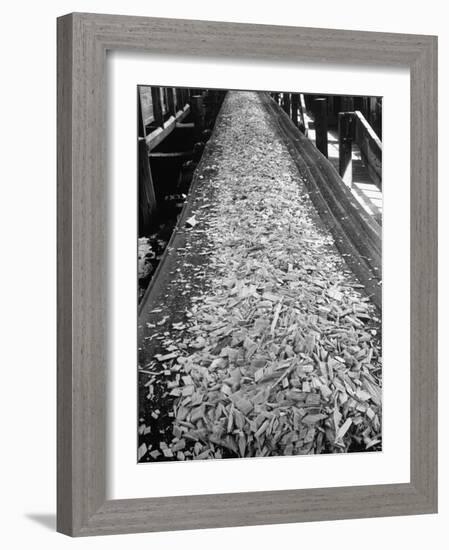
(83, 40)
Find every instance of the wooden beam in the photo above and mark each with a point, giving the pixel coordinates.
(370, 147)
(320, 112)
(347, 103)
(345, 137)
(147, 196)
(184, 125)
(141, 121)
(286, 103)
(157, 106)
(158, 135)
(302, 110)
(295, 109)
(173, 154)
(171, 102)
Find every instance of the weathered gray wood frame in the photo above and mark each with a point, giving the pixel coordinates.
(83, 40)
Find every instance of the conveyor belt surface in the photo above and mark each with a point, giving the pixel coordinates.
(255, 337)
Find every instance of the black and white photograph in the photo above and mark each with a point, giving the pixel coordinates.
(222, 234)
(259, 259)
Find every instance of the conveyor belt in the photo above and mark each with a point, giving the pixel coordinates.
(357, 234)
(253, 296)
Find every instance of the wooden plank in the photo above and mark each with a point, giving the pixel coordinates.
(171, 102)
(345, 137)
(140, 115)
(179, 99)
(185, 125)
(302, 110)
(321, 126)
(157, 136)
(370, 148)
(295, 109)
(286, 103)
(147, 196)
(346, 103)
(171, 155)
(157, 106)
(146, 101)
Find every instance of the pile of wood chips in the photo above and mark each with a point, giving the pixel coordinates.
(281, 355)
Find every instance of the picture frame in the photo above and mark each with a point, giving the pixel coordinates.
(83, 40)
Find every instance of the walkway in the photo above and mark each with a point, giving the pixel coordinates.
(255, 339)
(363, 188)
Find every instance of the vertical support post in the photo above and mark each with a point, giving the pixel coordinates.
(365, 107)
(140, 120)
(347, 103)
(320, 112)
(198, 114)
(302, 110)
(147, 196)
(179, 101)
(375, 115)
(157, 105)
(345, 137)
(358, 103)
(212, 98)
(286, 103)
(378, 129)
(372, 110)
(171, 102)
(295, 108)
(331, 118)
